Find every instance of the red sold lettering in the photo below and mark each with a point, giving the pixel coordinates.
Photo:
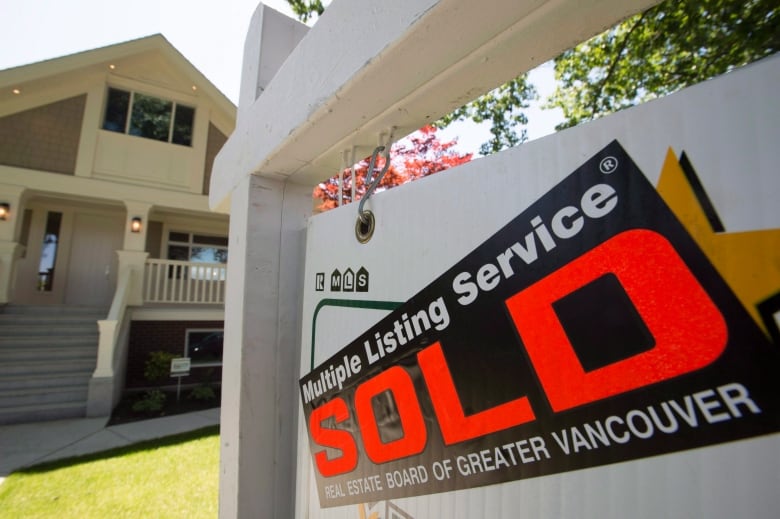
(398, 382)
(689, 330)
(455, 426)
(334, 438)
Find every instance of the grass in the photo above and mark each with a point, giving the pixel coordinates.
(174, 477)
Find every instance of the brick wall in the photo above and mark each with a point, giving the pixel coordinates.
(44, 138)
(149, 336)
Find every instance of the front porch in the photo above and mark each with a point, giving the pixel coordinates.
(164, 291)
(63, 361)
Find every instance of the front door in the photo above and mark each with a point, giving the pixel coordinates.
(70, 256)
(93, 262)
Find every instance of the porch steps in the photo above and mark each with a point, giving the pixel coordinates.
(47, 356)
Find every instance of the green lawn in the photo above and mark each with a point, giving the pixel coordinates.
(176, 477)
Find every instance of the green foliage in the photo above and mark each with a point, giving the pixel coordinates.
(153, 401)
(203, 393)
(173, 477)
(305, 9)
(502, 107)
(158, 365)
(670, 46)
(151, 117)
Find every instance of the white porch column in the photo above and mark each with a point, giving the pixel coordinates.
(107, 381)
(10, 248)
(133, 254)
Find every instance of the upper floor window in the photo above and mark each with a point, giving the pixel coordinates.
(148, 116)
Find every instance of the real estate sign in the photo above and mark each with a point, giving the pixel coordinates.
(546, 311)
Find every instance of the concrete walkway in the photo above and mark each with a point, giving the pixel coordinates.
(29, 444)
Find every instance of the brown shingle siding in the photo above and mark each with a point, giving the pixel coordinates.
(44, 138)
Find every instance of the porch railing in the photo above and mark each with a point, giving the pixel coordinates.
(184, 282)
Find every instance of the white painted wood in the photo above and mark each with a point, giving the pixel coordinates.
(190, 313)
(271, 37)
(183, 282)
(366, 67)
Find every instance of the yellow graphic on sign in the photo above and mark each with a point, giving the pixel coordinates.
(748, 261)
(362, 511)
(392, 511)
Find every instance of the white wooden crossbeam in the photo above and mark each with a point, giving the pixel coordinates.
(368, 66)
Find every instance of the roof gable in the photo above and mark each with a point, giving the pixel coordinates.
(152, 60)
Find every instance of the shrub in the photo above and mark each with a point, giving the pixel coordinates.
(152, 401)
(158, 365)
(203, 393)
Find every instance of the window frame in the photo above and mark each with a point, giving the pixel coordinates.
(129, 115)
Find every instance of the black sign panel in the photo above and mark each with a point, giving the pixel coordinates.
(589, 330)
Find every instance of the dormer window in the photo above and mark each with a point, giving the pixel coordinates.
(147, 116)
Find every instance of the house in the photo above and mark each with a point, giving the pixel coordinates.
(108, 249)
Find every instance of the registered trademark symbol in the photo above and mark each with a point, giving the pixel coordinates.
(608, 165)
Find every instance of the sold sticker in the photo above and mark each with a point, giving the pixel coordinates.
(591, 329)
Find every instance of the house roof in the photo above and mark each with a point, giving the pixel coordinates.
(10, 78)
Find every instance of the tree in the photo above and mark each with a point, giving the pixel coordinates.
(418, 155)
(305, 9)
(668, 47)
(503, 108)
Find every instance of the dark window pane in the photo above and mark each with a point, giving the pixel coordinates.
(179, 236)
(178, 252)
(116, 110)
(205, 347)
(210, 240)
(182, 125)
(151, 117)
(48, 259)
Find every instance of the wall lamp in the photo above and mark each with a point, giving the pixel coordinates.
(135, 224)
(5, 210)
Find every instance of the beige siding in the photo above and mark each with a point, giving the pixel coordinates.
(154, 239)
(44, 138)
(215, 142)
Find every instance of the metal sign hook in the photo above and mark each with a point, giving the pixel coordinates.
(364, 227)
(373, 183)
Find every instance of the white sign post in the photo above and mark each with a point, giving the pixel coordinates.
(364, 69)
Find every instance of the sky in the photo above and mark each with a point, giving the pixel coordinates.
(209, 33)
